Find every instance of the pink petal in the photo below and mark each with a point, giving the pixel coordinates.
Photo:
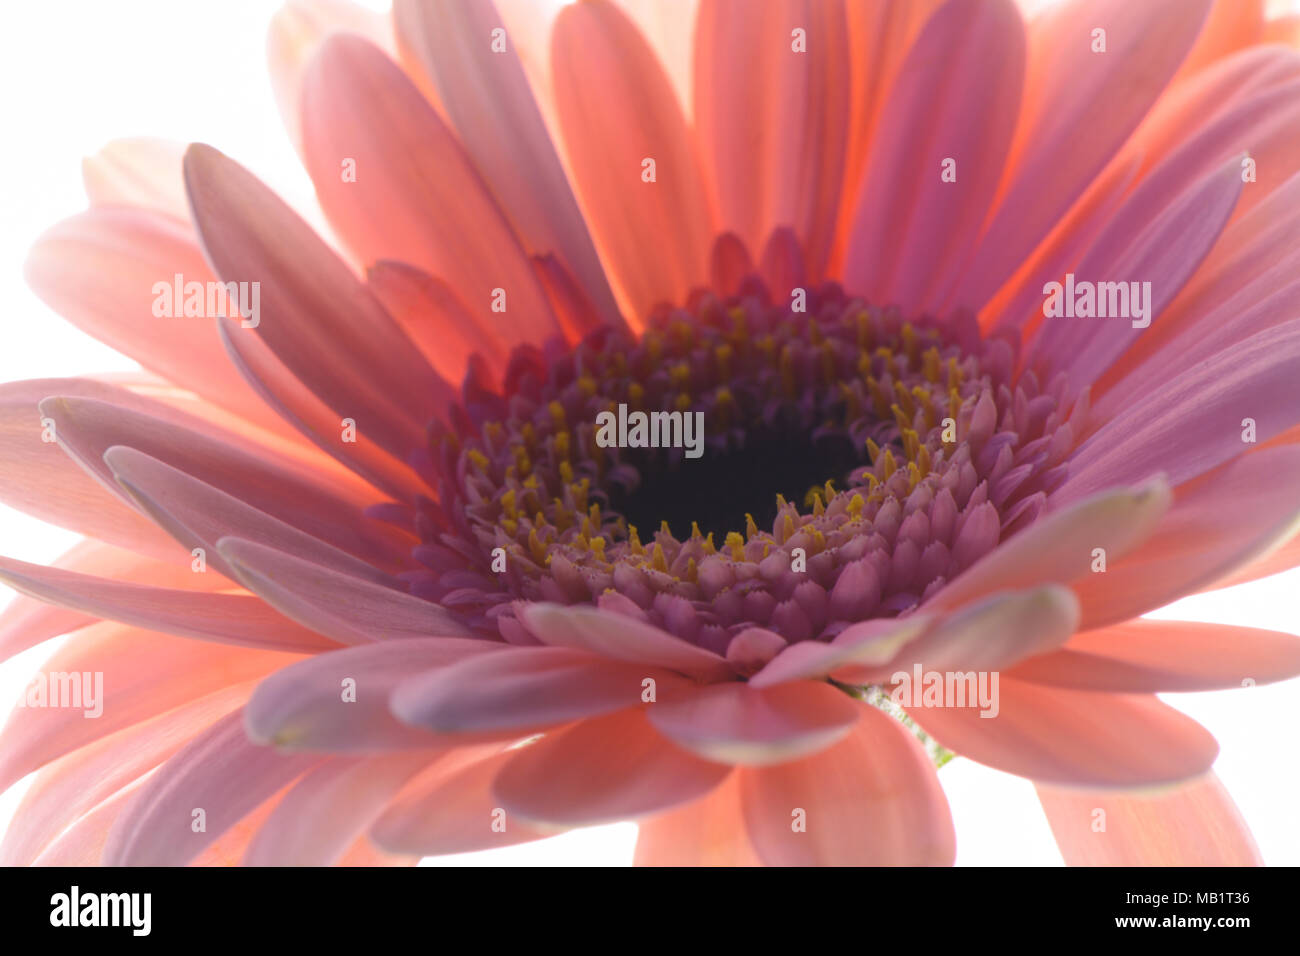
(225, 618)
(1190, 824)
(913, 232)
(41, 480)
(348, 609)
(27, 622)
(617, 108)
(87, 428)
(417, 196)
(1070, 88)
(736, 723)
(602, 770)
(144, 173)
(198, 515)
(317, 317)
(1059, 547)
(772, 121)
(707, 832)
(303, 706)
(316, 822)
(450, 808)
(871, 800)
(526, 689)
(1075, 737)
(1195, 546)
(76, 783)
(868, 643)
(219, 772)
(622, 638)
(144, 675)
(489, 102)
(990, 635)
(1146, 656)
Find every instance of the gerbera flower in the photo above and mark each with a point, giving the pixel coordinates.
(366, 580)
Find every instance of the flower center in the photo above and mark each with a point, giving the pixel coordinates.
(741, 464)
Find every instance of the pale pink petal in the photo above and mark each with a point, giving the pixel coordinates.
(737, 723)
(140, 172)
(305, 706)
(219, 772)
(913, 231)
(488, 100)
(1196, 545)
(295, 34)
(318, 819)
(1145, 656)
(871, 800)
(527, 689)
(42, 480)
(1071, 88)
(1076, 737)
(772, 120)
(198, 515)
(602, 770)
(450, 808)
(617, 109)
(1189, 824)
(989, 635)
(349, 609)
(76, 783)
(111, 269)
(1256, 379)
(315, 315)
(27, 622)
(417, 196)
(237, 619)
(707, 832)
(622, 638)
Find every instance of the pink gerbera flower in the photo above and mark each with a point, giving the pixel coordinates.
(640, 439)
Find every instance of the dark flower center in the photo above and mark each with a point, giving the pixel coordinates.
(741, 464)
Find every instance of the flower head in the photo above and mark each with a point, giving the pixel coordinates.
(721, 455)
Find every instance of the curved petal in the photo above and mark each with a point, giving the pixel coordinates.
(617, 110)
(914, 227)
(339, 702)
(1144, 656)
(349, 609)
(415, 195)
(79, 781)
(140, 172)
(1190, 824)
(237, 619)
(322, 815)
(526, 689)
(709, 831)
(450, 808)
(314, 314)
(871, 800)
(736, 723)
(602, 770)
(489, 101)
(219, 772)
(1055, 735)
(622, 638)
(771, 119)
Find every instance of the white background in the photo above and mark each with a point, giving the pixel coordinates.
(77, 73)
